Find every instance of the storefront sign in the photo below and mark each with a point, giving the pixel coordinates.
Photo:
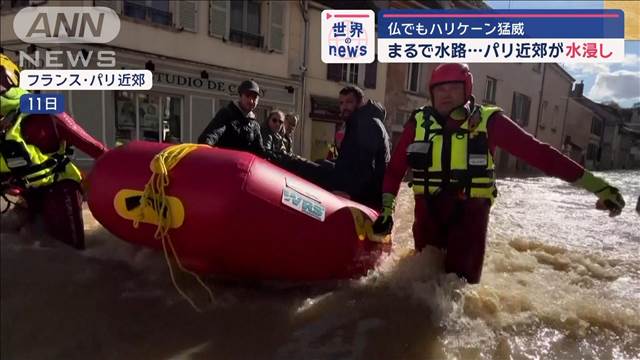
(216, 85)
(280, 93)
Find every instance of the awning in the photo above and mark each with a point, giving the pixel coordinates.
(325, 108)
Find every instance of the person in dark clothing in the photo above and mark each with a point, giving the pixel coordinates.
(235, 126)
(290, 123)
(364, 152)
(272, 139)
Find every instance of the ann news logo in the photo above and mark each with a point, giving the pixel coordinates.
(66, 24)
(348, 36)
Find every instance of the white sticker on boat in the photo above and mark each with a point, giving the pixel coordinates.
(303, 204)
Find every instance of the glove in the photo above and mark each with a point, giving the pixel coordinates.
(609, 197)
(384, 222)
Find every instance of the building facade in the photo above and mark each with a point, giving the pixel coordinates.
(604, 134)
(556, 89)
(630, 138)
(583, 133)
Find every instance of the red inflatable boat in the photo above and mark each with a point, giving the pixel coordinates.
(235, 215)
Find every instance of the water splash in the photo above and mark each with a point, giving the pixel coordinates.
(561, 281)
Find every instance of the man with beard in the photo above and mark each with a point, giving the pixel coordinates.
(364, 152)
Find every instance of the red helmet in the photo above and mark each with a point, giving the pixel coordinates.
(452, 72)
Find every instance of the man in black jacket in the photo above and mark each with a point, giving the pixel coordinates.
(364, 152)
(235, 126)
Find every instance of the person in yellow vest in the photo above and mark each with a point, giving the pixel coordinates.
(34, 157)
(449, 148)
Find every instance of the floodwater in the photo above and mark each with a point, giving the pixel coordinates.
(561, 281)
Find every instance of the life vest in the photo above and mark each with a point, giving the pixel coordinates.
(29, 164)
(459, 159)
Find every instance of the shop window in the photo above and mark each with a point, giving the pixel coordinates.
(202, 111)
(171, 118)
(149, 116)
(323, 136)
(126, 117)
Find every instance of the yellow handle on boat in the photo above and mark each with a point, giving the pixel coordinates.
(364, 227)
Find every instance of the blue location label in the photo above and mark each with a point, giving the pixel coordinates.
(42, 103)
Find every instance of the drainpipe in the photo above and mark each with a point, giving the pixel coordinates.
(544, 70)
(304, 8)
(564, 123)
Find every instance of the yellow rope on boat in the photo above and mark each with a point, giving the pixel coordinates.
(155, 196)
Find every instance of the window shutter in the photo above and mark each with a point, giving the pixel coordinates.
(370, 75)
(116, 5)
(334, 72)
(188, 15)
(218, 11)
(276, 29)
